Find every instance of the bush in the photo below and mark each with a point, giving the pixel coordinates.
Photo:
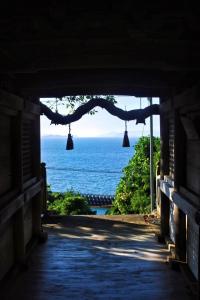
(133, 191)
(69, 203)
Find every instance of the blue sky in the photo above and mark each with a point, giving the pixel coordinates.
(102, 124)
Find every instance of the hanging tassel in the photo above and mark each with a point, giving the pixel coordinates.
(70, 144)
(126, 142)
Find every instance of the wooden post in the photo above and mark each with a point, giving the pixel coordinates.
(36, 147)
(164, 170)
(37, 200)
(164, 145)
(180, 234)
(198, 288)
(36, 213)
(179, 153)
(19, 242)
(152, 175)
(44, 187)
(164, 208)
(17, 153)
(179, 179)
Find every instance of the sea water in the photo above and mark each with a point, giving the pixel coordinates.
(93, 167)
(99, 210)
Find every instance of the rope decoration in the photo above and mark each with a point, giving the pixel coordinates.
(135, 114)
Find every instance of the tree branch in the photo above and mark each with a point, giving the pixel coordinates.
(136, 114)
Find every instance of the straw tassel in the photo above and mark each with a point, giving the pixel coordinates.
(126, 142)
(70, 144)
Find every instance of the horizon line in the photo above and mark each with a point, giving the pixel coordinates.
(106, 136)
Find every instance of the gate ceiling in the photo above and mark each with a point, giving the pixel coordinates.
(55, 48)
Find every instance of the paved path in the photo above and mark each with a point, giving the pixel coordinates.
(99, 257)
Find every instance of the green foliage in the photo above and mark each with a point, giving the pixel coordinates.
(68, 203)
(71, 103)
(133, 191)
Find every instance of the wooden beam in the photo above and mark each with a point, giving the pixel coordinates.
(105, 60)
(97, 81)
(189, 208)
(32, 108)
(29, 183)
(188, 98)
(96, 77)
(11, 208)
(109, 89)
(8, 111)
(11, 101)
(32, 191)
(17, 202)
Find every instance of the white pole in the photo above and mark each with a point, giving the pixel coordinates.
(151, 161)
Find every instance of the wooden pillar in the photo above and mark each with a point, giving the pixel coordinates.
(17, 152)
(179, 153)
(179, 179)
(198, 292)
(37, 200)
(164, 170)
(36, 148)
(44, 187)
(164, 208)
(164, 145)
(36, 213)
(180, 234)
(19, 243)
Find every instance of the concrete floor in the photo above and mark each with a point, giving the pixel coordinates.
(99, 257)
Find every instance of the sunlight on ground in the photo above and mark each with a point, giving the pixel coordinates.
(137, 254)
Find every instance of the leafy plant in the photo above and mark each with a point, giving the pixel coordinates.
(68, 203)
(71, 103)
(133, 191)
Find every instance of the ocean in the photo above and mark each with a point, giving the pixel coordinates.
(93, 167)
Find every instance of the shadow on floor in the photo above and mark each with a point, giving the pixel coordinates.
(93, 257)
